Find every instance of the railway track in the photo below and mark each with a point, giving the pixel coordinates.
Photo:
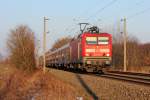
(141, 78)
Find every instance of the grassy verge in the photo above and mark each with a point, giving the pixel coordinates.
(16, 85)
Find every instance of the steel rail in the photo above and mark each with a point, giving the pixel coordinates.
(141, 78)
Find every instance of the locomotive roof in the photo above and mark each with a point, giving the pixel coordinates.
(95, 34)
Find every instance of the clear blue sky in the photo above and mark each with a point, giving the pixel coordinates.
(65, 14)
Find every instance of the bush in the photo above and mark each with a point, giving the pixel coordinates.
(21, 46)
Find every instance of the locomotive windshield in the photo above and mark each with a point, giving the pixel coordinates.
(103, 40)
(97, 40)
(91, 40)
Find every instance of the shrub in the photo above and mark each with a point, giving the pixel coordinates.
(21, 46)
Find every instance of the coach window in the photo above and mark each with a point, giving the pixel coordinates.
(91, 40)
(103, 40)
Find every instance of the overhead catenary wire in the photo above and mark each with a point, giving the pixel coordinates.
(111, 3)
(107, 6)
(135, 14)
(93, 7)
(136, 4)
(138, 13)
(103, 8)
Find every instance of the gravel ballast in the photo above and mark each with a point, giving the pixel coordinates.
(100, 88)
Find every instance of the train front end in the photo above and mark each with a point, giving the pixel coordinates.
(96, 50)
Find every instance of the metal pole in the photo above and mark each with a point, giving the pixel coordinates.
(125, 46)
(44, 45)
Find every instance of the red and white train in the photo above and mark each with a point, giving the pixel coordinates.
(90, 51)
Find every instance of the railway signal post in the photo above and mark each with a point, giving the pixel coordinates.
(44, 44)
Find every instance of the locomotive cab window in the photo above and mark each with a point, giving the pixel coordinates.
(103, 40)
(91, 40)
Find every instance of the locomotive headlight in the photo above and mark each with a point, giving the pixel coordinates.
(104, 50)
(90, 50)
(107, 54)
(87, 54)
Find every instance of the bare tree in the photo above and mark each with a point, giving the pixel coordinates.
(145, 54)
(117, 51)
(133, 58)
(21, 45)
(60, 42)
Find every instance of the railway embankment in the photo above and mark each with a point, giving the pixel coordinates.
(104, 88)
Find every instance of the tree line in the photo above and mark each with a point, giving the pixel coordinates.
(138, 54)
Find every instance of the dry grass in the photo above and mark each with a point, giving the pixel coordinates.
(16, 85)
(72, 79)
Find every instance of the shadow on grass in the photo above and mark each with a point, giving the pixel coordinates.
(83, 83)
(86, 87)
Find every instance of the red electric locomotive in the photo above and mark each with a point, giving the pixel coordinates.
(90, 51)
